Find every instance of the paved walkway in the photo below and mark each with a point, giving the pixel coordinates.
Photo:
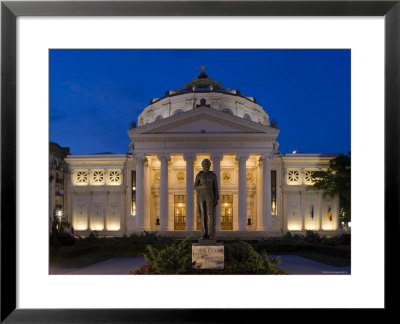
(292, 264)
(297, 265)
(114, 266)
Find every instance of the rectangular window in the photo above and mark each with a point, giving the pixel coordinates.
(133, 203)
(273, 193)
(179, 212)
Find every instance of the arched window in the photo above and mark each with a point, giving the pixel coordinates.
(247, 116)
(178, 111)
(159, 117)
(228, 111)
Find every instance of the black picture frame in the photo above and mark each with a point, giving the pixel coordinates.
(10, 10)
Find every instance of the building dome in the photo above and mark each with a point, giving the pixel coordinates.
(193, 95)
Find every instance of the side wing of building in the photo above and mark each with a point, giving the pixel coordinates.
(305, 208)
(97, 193)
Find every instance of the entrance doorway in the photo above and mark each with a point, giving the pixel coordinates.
(179, 212)
(227, 212)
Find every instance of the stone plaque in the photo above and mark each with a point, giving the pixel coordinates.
(208, 256)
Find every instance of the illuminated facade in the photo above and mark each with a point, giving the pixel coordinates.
(262, 192)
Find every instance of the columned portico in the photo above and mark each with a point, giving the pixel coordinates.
(164, 158)
(189, 158)
(267, 218)
(216, 159)
(242, 158)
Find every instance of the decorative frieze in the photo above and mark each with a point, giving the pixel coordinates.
(298, 176)
(96, 177)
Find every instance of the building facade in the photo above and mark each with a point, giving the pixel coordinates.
(262, 192)
(58, 182)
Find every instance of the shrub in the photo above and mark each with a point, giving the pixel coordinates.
(59, 237)
(312, 237)
(93, 236)
(144, 269)
(65, 239)
(240, 258)
(288, 236)
(174, 259)
(149, 238)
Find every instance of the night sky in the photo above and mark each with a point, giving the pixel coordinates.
(95, 94)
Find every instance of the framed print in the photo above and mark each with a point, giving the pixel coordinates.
(368, 29)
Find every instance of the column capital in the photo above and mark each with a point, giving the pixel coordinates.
(162, 156)
(242, 156)
(216, 156)
(138, 156)
(188, 155)
(265, 156)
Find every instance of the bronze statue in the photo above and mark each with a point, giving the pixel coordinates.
(207, 198)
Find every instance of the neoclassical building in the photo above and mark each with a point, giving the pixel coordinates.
(262, 192)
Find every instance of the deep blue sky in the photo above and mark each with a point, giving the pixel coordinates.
(95, 94)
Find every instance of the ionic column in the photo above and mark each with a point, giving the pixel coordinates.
(72, 209)
(189, 158)
(217, 158)
(303, 216)
(260, 225)
(146, 211)
(267, 217)
(128, 195)
(105, 212)
(90, 216)
(164, 158)
(242, 158)
(285, 214)
(139, 191)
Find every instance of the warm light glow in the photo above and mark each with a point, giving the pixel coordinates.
(133, 209)
(180, 205)
(226, 204)
(97, 227)
(294, 227)
(329, 227)
(113, 227)
(59, 213)
(81, 227)
(133, 188)
(311, 227)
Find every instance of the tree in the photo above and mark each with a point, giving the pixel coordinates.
(337, 180)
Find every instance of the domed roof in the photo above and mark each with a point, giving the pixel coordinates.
(203, 83)
(203, 87)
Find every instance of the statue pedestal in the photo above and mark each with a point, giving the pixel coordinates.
(207, 241)
(208, 255)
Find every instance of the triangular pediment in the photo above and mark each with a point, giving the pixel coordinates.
(203, 120)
